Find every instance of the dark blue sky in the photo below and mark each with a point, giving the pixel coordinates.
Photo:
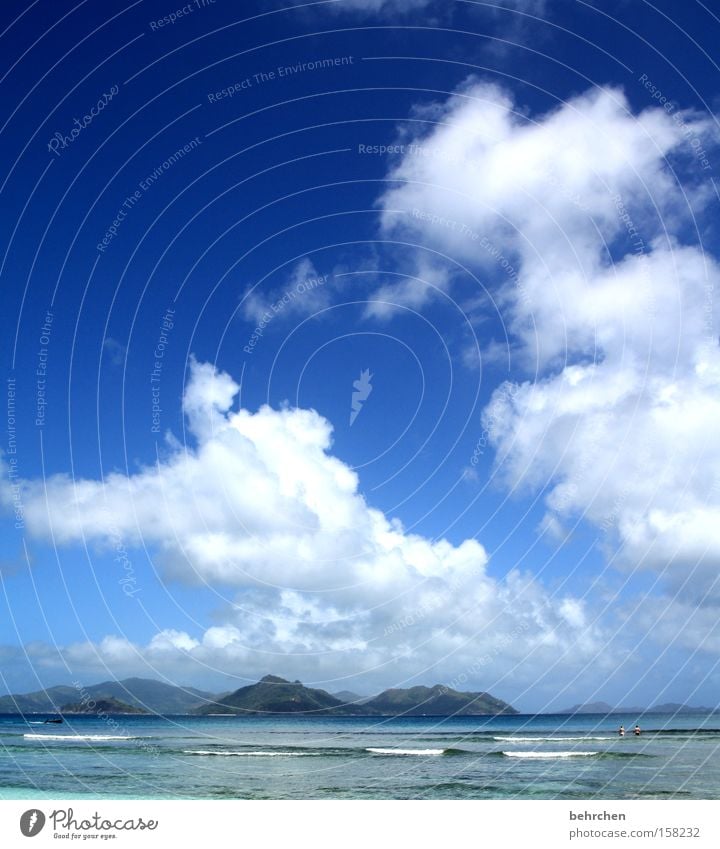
(225, 167)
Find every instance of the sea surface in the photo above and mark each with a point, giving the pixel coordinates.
(219, 757)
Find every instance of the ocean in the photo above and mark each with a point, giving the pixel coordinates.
(500, 757)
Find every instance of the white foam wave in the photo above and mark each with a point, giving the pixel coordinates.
(406, 751)
(73, 737)
(255, 754)
(547, 755)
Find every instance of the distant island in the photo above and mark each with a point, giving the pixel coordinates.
(666, 708)
(271, 695)
(439, 701)
(274, 695)
(146, 694)
(349, 696)
(99, 706)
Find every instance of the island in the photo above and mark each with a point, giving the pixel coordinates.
(109, 705)
(273, 695)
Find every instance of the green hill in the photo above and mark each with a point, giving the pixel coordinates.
(348, 696)
(98, 706)
(589, 707)
(144, 693)
(151, 695)
(436, 701)
(43, 701)
(273, 695)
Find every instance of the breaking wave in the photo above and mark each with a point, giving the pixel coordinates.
(73, 737)
(376, 751)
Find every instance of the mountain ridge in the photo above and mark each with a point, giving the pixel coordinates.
(599, 708)
(147, 694)
(101, 706)
(437, 700)
(274, 695)
(153, 696)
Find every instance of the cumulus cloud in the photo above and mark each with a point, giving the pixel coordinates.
(411, 291)
(259, 506)
(260, 501)
(304, 292)
(611, 303)
(493, 635)
(546, 190)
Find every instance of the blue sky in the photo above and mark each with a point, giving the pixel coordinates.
(214, 221)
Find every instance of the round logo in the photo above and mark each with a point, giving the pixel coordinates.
(32, 822)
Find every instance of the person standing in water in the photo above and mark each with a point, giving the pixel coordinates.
(621, 731)
(637, 731)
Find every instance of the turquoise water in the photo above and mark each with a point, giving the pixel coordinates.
(529, 757)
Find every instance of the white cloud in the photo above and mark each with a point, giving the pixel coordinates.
(260, 501)
(544, 190)
(304, 292)
(611, 303)
(262, 508)
(492, 635)
(412, 291)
